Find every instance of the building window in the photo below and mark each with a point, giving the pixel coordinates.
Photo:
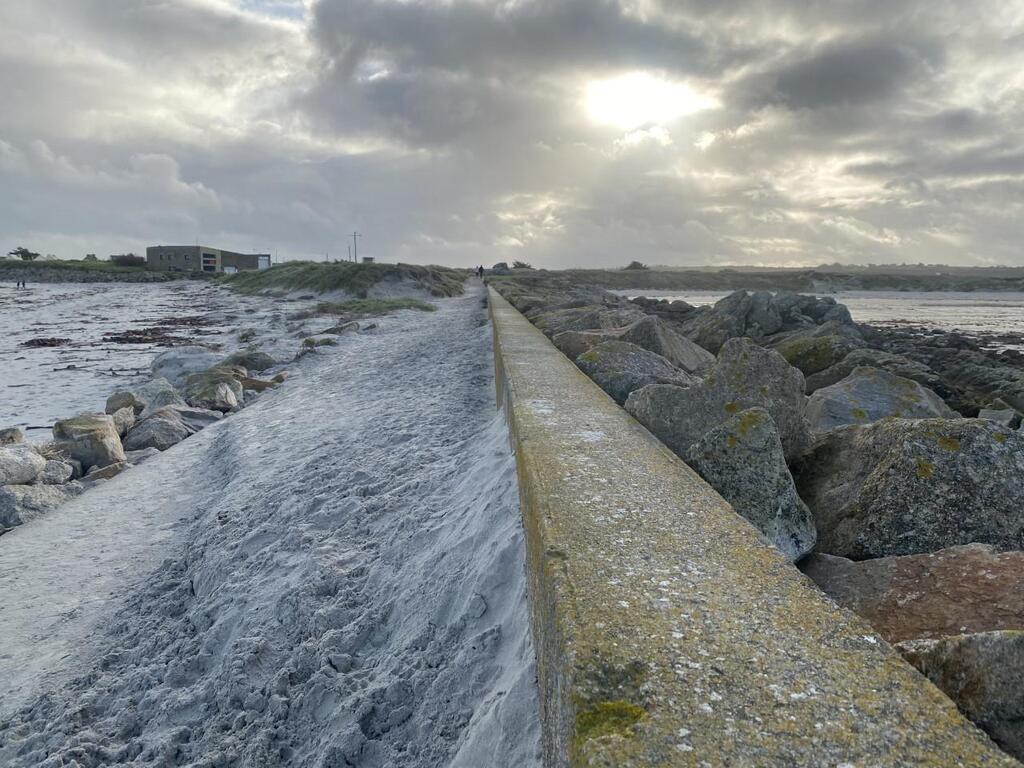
(188, 257)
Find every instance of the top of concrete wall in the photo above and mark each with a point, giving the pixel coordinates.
(667, 633)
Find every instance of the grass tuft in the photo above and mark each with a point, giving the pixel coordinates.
(354, 279)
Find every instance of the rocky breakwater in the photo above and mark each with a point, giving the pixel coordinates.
(897, 504)
(191, 389)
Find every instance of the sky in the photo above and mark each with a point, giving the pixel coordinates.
(557, 132)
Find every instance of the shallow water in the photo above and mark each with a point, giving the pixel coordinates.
(971, 313)
(41, 385)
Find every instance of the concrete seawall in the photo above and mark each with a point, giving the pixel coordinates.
(666, 632)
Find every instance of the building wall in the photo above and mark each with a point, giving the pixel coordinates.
(197, 258)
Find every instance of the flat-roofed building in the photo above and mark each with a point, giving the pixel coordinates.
(200, 258)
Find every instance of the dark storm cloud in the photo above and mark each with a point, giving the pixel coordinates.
(458, 130)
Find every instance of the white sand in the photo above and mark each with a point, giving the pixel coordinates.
(332, 577)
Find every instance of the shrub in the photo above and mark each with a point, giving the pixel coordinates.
(128, 260)
(636, 265)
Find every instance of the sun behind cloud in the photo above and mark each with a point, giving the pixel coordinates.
(639, 99)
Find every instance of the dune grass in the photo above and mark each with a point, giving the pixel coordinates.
(354, 279)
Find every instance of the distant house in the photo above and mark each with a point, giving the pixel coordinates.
(200, 258)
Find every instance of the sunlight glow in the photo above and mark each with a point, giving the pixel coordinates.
(639, 99)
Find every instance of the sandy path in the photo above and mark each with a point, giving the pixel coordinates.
(334, 579)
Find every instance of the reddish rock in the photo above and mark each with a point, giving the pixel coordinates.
(954, 591)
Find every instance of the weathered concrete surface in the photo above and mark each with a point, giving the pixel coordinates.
(667, 633)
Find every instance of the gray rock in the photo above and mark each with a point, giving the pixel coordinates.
(56, 472)
(161, 430)
(815, 351)
(144, 454)
(742, 459)
(253, 359)
(21, 503)
(20, 464)
(650, 333)
(11, 435)
(870, 394)
(590, 317)
(763, 316)
(213, 390)
(744, 376)
(196, 419)
(874, 358)
(619, 368)
(902, 486)
(1007, 417)
(90, 439)
(124, 419)
(156, 394)
(983, 674)
(125, 399)
(107, 472)
(178, 363)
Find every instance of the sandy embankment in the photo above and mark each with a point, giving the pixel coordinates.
(332, 576)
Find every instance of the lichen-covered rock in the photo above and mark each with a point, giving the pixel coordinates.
(814, 353)
(253, 359)
(619, 368)
(742, 459)
(875, 358)
(21, 503)
(650, 333)
(903, 486)
(950, 592)
(11, 435)
(56, 472)
(90, 439)
(178, 363)
(124, 419)
(590, 317)
(983, 674)
(744, 376)
(213, 390)
(19, 464)
(125, 399)
(870, 394)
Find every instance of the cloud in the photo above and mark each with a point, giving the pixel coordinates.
(458, 130)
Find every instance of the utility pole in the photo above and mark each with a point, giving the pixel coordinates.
(350, 253)
(355, 246)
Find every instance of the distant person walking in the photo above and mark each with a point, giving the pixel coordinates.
(480, 271)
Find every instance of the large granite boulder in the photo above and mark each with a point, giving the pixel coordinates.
(90, 439)
(125, 399)
(215, 390)
(56, 472)
(870, 394)
(949, 592)
(817, 350)
(650, 333)
(253, 359)
(21, 503)
(178, 363)
(20, 464)
(903, 486)
(983, 674)
(156, 394)
(168, 426)
(124, 419)
(875, 358)
(742, 459)
(590, 317)
(744, 376)
(11, 435)
(619, 368)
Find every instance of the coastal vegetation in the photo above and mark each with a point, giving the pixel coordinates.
(356, 280)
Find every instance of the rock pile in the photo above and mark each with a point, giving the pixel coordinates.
(912, 511)
(136, 425)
